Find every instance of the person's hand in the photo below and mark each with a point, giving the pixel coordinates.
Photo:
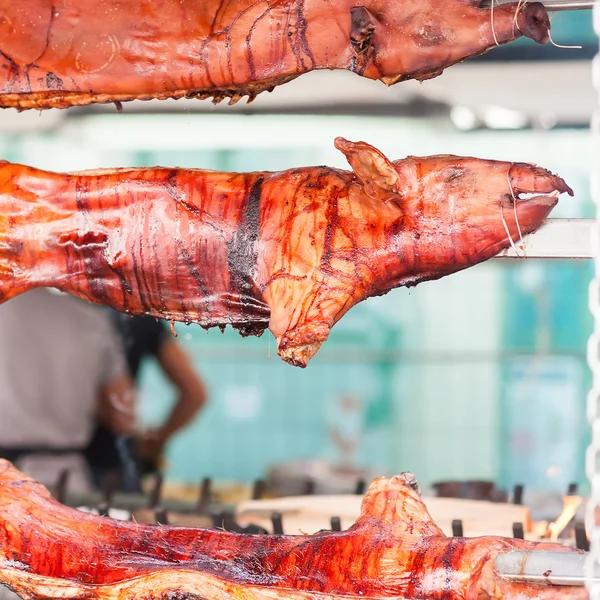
(151, 445)
(117, 409)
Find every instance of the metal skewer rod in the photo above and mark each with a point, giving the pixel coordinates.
(557, 238)
(550, 5)
(543, 566)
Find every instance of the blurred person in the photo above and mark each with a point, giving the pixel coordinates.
(142, 338)
(346, 424)
(62, 369)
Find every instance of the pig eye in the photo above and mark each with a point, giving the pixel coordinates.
(361, 29)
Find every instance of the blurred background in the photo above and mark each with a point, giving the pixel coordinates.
(481, 375)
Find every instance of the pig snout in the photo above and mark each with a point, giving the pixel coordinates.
(534, 23)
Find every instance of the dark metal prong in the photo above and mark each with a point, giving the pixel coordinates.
(581, 539)
(218, 520)
(204, 496)
(518, 531)
(62, 482)
(336, 524)
(277, 522)
(255, 529)
(457, 528)
(309, 487)
(224, 520)
(258, 489)
(361, 487)
(518, 494)
(111, 485)
(161, 516)
(229, 522)
(156, 491)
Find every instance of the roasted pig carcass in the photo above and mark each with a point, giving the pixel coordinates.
(394, 550)
(60, 53)
(291, 250)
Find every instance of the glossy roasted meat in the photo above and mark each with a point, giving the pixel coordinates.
(394, 550)
(292, 250)
(60, 53)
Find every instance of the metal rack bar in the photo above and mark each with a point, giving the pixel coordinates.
(551, 5)
(557, 238)
(592, 564)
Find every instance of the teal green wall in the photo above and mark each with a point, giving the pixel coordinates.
(263, 411)
(544, 432)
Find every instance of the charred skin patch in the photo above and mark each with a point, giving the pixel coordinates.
(53, 82)
(454, 173)
(429, 35)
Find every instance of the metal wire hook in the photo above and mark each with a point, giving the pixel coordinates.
(550, 5)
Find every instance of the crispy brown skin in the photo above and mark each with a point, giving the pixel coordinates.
(292, 250)
(61, 53)
(394, 549)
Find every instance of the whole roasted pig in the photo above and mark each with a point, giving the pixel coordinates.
(291, 250)
(394, 550)
(60, 53)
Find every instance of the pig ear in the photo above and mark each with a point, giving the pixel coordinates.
(396, 507)
(362, 28)
(377, 174)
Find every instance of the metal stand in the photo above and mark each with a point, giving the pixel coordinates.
(593, 401)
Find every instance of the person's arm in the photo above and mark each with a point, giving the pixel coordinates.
(116, 394)
(177, 367)
(192, 396)
(116, 406)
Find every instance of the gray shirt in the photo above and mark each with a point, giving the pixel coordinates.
(56, 353)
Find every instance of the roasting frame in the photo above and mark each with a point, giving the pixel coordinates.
(593, 400)
(579, 239)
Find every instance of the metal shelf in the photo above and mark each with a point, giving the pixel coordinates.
(557, 238)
